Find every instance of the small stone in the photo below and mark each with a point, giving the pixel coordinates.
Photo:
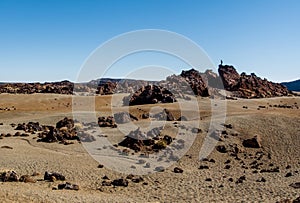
(227, 167)
(100, 166)
(227, 162)
(289, 174)
(68, 186)
(295, 185)
(208, 179)
(130, 176)
(137, 180)
(160, 169)
(203, 167)
(178, 170)
(221, 149)
(105, 177)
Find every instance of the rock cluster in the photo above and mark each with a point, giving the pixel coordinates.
(249, 86)
(151, 94)
(63, 131)
(30, 127)
(149, 142)
(12, 176)
(107, 122)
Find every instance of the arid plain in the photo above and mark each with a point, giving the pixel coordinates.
(231, 173)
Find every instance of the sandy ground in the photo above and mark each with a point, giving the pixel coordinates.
(278, 127)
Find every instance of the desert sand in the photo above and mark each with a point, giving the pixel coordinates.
(220, 178)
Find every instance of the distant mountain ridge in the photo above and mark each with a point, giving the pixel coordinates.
(293, 85)
(189, 82)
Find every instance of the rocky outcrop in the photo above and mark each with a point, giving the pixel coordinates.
(107, 88)
(63, 87)
(196, 82)
(249, 86)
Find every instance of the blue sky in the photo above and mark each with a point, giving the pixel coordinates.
(49, 40)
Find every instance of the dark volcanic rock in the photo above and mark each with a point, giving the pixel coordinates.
(120, 182)
(196, 82)
(254, 142)
(63, 87)
(68, 186)
(150, 141)
(53, 176)
(249, 86)
(9, 176)
(107, 122)
(66, 122)
(178, 170)
(106, 88)
(150, 94)
(221, 149)
(295, 185)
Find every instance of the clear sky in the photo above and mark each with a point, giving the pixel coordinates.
(49, 40)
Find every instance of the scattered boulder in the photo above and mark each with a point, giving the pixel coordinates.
(9, 176)
(146, 142)
(27, 179)
(254, 142)
(68, 186)
(124, 117)
(295, 185)
(120, 182)
(53, 176)
(221, 149)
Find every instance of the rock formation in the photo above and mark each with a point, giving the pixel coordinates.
(249, 86)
